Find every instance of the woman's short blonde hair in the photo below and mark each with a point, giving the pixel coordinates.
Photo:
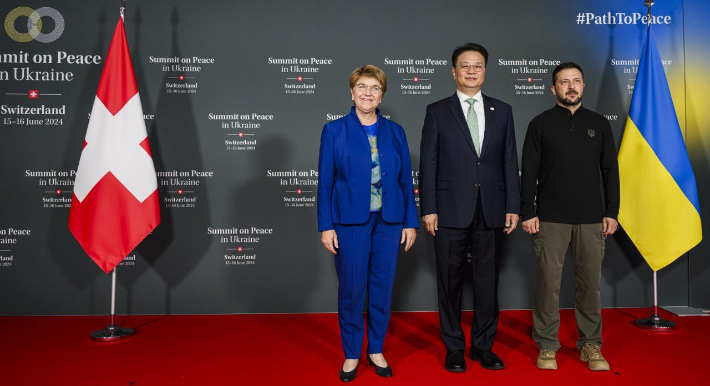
(369, 71)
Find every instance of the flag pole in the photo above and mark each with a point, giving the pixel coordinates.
(113, 296)
(654, 322)
(113, 331)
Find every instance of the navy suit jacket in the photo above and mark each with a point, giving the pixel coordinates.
(452, 175)
(345, 170)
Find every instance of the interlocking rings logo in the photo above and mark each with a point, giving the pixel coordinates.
(34, 24)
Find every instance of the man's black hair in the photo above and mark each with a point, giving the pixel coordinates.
(469, 47)
(565, 66)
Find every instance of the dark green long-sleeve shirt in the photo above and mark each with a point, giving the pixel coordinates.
(569, 162)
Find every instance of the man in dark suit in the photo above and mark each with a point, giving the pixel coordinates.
(469, 193)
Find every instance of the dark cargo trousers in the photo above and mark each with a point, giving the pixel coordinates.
(587, 249)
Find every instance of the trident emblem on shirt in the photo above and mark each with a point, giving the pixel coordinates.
(591, 132)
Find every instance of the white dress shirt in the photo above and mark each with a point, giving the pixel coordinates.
(480, 112)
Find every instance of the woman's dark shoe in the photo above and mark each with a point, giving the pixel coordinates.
(349, 376)
(381, 371)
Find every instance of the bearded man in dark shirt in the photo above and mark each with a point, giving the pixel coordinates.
(569, 155)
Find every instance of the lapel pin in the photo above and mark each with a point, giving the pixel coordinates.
(492, 108)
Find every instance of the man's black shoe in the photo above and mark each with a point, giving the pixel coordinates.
(455, 362)
(489, 360)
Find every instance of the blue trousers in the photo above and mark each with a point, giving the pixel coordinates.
(366, 261)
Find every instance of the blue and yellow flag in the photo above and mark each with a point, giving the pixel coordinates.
(659, 207)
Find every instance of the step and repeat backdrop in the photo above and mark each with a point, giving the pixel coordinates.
(235, 95)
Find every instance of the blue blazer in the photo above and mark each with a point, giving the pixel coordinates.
(345, 170)
(452, 175)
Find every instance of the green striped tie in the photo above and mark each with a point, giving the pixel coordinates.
(472, 120)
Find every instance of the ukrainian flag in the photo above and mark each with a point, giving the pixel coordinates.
(659, 207)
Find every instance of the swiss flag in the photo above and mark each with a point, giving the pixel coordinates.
(115, 201)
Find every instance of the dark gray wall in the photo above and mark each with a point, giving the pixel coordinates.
(697, 34)
(181, 268)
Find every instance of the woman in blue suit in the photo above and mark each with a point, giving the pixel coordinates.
(365, 207)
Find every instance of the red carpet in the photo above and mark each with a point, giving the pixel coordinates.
(305, 350)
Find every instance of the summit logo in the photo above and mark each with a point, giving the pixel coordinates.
(34, 24)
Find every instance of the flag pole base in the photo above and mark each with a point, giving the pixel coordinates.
(686, 311)
(112, 333)
(655, 323)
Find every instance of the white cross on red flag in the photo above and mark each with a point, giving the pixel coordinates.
(115, 201)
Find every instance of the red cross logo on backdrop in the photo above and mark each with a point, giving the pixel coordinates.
(33, 94)
(182, 77)
(416, 79)
(529, 80)
(180, 191)
(300, 78)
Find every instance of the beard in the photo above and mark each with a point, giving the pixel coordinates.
(567, 101)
